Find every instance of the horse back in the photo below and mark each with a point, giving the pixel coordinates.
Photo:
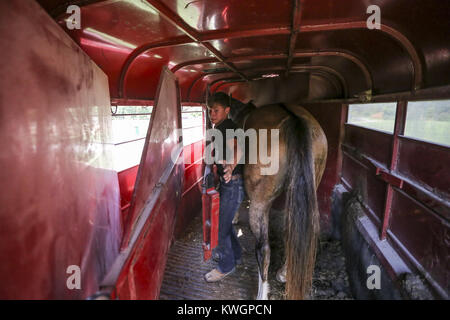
(272, 117)
(266, 117)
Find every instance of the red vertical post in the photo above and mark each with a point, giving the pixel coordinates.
(342, 122)
(399, 129)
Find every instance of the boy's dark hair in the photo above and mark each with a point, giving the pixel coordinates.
(220, 98)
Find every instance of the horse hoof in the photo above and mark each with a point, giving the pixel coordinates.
(262, 296)
(263, 291)
(281, 277)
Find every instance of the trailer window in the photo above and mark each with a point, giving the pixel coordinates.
(192, 122)
(429, 121)
(130, 125)
(379, 116)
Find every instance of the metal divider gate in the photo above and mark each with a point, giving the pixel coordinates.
(138, 271)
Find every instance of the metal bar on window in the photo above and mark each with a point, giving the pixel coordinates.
(123, 142)
(191, 127)
(130, 114)
(399, 128)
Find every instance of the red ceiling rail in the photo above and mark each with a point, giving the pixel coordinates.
(320, 70)
(229, 34)
(131, 102)
(231, 80)
(397, 35)
(179, 23)
(230, 59)
(298, 54)
(404, 42)
(193, 36)
(327, 70)
(225, 80)
(350, 56)
(296, 20)
(322, 74)
(138, 51)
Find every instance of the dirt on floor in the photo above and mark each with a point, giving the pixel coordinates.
(330, 280)
(183, 278)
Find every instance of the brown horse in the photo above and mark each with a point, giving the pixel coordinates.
(302, 158)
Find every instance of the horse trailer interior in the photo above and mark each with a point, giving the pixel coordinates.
(103, 119)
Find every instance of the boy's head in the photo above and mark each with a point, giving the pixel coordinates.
(219, 107)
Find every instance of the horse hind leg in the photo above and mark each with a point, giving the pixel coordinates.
(236, 218)
(259, 224)
(281, 274)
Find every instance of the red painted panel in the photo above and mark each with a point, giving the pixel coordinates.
(187, 76)
(388, 52)
(107, 56)
(193, 153)
(142, 275)
(352, 74)
(250, 46)
(233, 15)
(372, 189)
(329, 117)
(127, 179)
(157, 193)
(264, 63)
(438, 204)
(424, 234)
(197, 91)
(114, 22)
(190, 206)
(192, 176)
(159, 145)
(150, 63)
(374, 144)
(402, 15)
(59, 195)
(426, 163)
(111, 30)
(191, 197)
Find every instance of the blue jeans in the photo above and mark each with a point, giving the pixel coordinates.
(229, 249)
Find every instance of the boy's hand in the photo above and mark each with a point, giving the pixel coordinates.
(228, 169)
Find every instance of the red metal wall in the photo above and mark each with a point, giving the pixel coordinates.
(156, 197)
(191, 200)
(191, 197)
(408, 203)
(59, 195)
(331, 118)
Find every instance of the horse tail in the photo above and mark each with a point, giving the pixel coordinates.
(302, 218)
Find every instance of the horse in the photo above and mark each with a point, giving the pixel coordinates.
(302, 158)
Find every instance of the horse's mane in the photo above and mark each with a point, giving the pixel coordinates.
(240, 110)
